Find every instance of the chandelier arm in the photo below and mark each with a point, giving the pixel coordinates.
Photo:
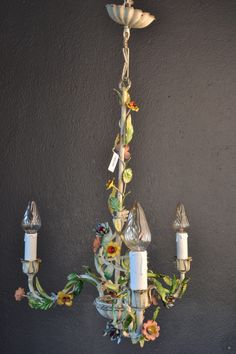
(31, 268)
(31, 286)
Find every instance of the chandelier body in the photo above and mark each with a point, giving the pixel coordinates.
(126, 286)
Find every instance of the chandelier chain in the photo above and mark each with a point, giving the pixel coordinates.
(125, 82)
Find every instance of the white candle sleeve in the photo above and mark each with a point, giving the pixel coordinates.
(30, 247)
(182, 245)
(138, 270)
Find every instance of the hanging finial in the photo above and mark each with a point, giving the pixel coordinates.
(31, 222)
(181, 221)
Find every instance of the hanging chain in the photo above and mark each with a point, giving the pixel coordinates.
(125, 82)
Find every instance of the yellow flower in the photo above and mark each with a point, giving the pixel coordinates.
(112, 249)
(133, 106)
(64, 299)
(110, 184)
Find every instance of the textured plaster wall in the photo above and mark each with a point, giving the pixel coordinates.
(59, 63)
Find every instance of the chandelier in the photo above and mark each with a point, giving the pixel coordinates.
(126, 285)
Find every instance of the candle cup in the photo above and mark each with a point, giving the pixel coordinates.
(183, 266)
(30, 267)
(139, 299)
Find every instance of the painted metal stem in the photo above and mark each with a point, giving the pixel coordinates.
(139, 321)
(124, 94)
(120, 174)
(89, 278)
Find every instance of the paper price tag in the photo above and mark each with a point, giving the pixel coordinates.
(113, 162)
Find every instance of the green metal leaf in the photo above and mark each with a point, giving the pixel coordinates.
(161, 290)
(109, 270)
(114, 204)
(125, 262)
(167, 280)
(129, 130)
(122, 281)
(184, 286)
(127, 175)
(40, 290)
(78, 287)
(111, 286)
(155, 314)
(128, 320)
(175, 284)
(98, 266)
(41, 304)
(153, 275)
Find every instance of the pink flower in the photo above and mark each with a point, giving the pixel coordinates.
(150, 330)
(19, 294)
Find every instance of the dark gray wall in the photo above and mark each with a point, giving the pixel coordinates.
(59, 63)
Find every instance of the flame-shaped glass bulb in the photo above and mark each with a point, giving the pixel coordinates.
(31, 222)
(137, 235)
(181, 220)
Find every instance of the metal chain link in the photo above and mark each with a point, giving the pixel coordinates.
(125, 82)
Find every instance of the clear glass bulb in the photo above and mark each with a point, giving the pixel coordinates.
(137, 235)
(31, 222)
(181, 220)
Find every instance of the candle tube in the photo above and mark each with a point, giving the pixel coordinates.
(182, 245)
(30, 247)
(138, 270)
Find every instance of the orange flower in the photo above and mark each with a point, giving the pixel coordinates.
(64, 299)
(150, 330)
(127, 153)
(96, 244)
(19, 294)
(133, 106)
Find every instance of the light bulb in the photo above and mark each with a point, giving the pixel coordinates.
(181, 220)
(31, 222)
(137, 235)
